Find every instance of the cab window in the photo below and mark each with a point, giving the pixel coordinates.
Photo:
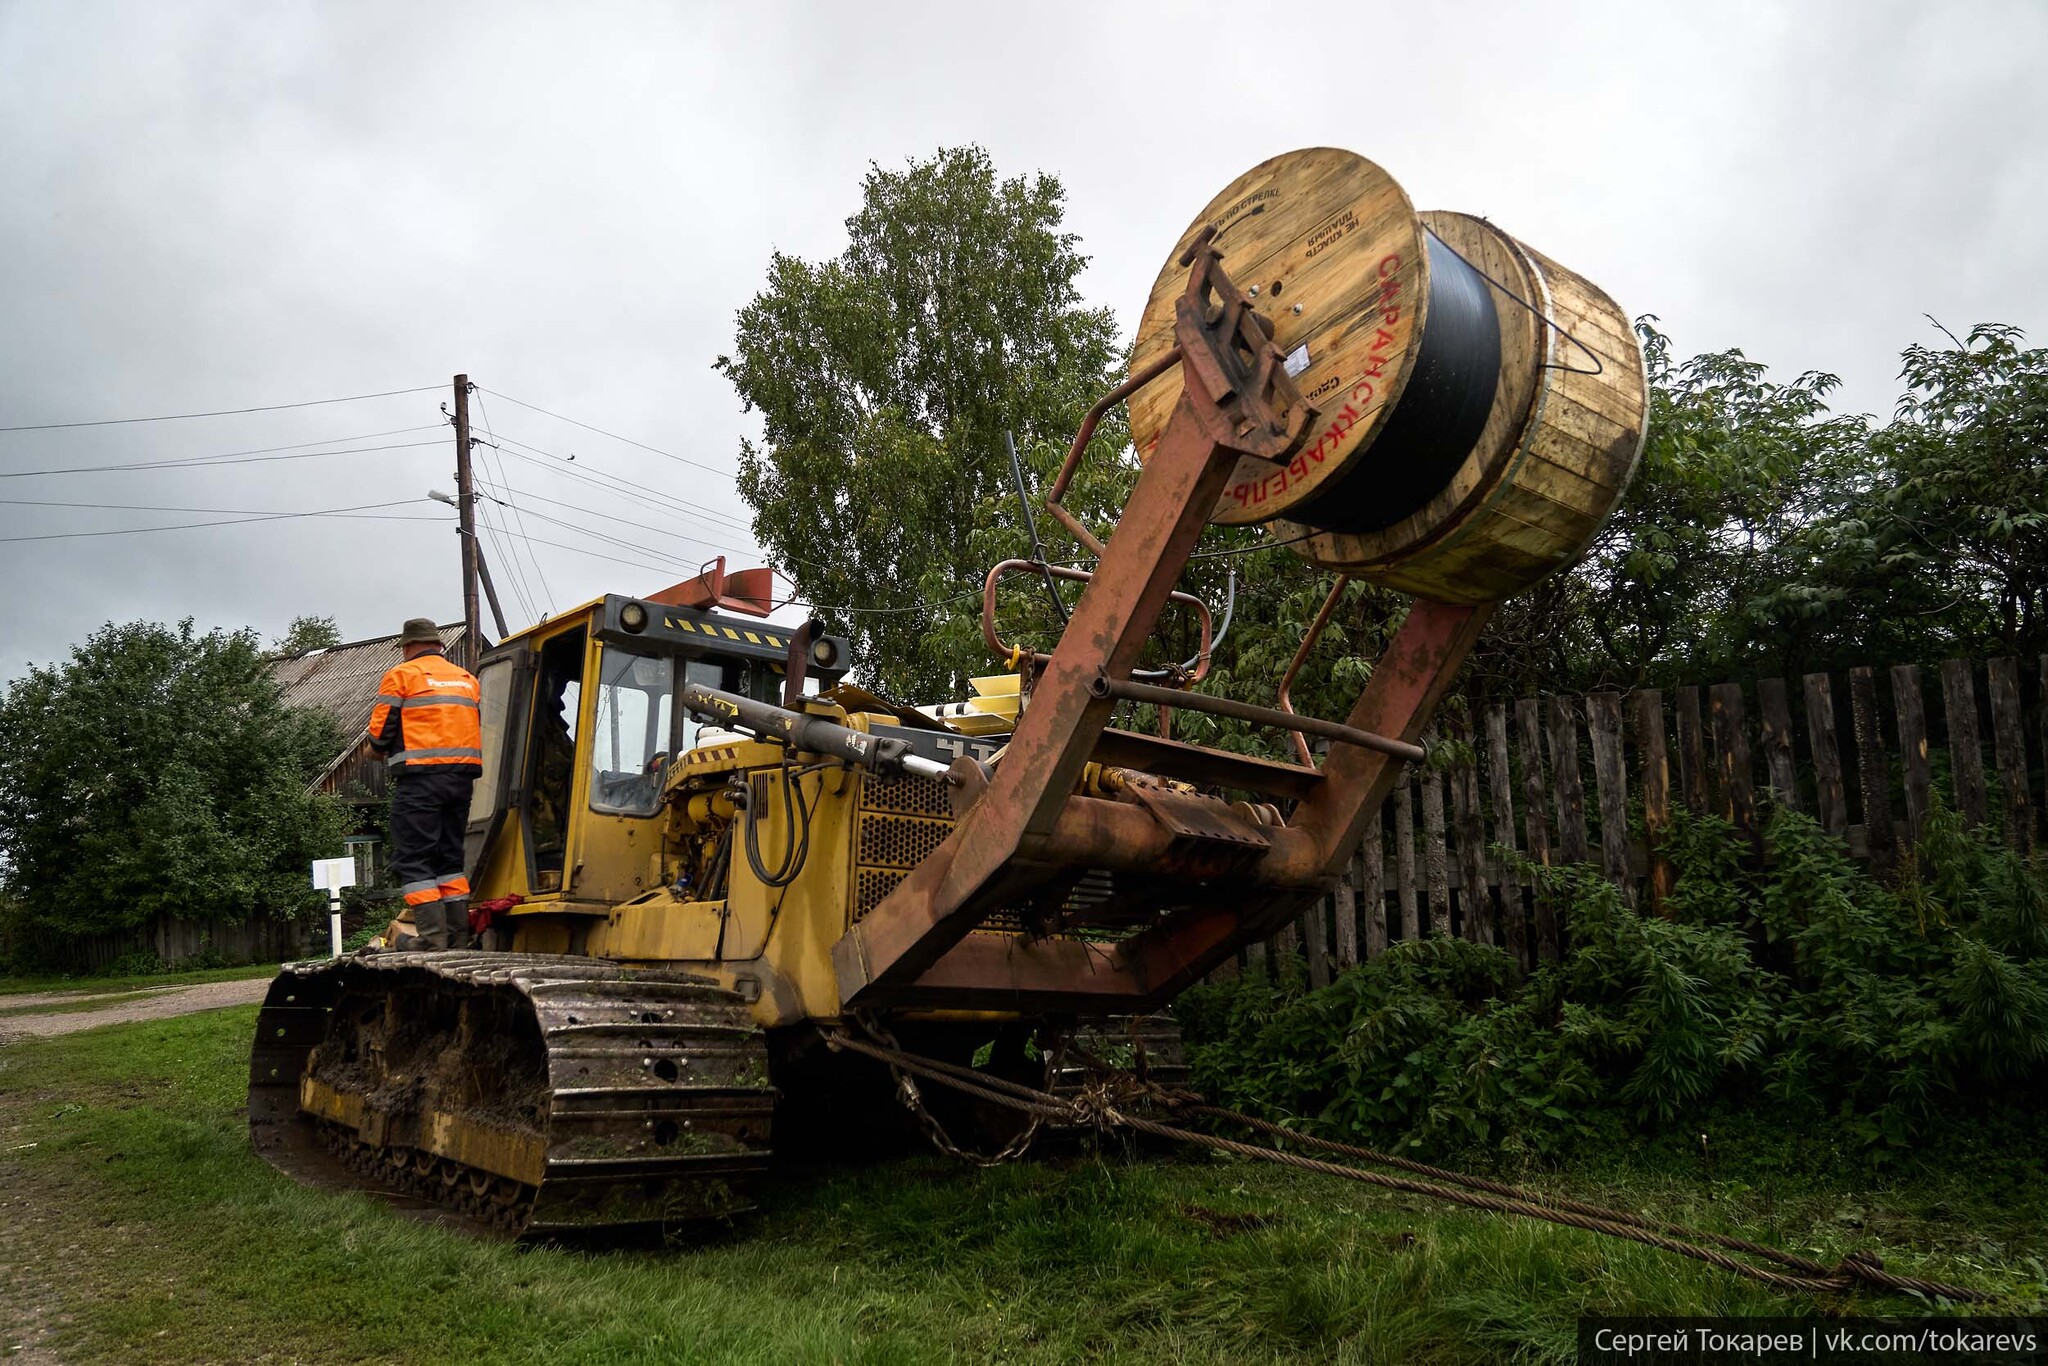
(629, 739)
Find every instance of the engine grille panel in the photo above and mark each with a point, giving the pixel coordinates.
(896, 841)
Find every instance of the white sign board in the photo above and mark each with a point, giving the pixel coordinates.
(330, 875)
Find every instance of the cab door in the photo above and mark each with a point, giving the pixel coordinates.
(505, 688)
(625, 740)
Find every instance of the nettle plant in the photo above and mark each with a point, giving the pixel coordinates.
(1796, 985)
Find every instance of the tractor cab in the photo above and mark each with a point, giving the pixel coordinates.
(582, 722)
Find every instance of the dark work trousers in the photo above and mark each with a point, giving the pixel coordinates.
(429, 812)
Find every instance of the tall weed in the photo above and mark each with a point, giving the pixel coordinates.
(1797, 984)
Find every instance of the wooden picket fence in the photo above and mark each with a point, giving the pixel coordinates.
(1861, 752)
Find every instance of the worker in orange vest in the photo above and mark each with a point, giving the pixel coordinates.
(426, 721)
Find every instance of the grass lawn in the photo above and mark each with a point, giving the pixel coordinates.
(135, 1225)
(17, 986)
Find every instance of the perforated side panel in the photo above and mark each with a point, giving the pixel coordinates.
(896, 841)
(900, 821)
(909, 795)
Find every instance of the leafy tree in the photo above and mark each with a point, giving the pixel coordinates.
(1945, 550)
(886, 379)
(305, 635)
(159, 772)
(1685, 579)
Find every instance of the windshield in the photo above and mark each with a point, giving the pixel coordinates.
(629, 739)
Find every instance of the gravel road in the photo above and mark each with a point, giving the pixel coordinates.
(127, 1007)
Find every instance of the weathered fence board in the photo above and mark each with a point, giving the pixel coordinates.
(1965, 759)
(1287, 942)
(1610, 785)
(1535, 797)
(1436, 869)
(1775, 710)
(1501, 787)
(1315, 942)
(1656, 790)
(1344, 908)
(2009, 750)
(1912, 730)
(1692, 751)
(1475, 906)
(1734, 774)
(1535, 824)
(1404, 859)
(1565, 782)
(1830, 803)
(1372, 888)
(1873, 768)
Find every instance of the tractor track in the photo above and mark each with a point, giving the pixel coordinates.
(525, 1094)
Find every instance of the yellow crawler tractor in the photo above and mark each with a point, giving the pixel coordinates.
(706, 852)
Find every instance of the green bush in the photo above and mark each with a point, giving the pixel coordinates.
(1799, 985)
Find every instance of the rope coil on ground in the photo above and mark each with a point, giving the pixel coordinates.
(1099, 1105)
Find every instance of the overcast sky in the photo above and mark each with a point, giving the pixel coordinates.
(213, 206)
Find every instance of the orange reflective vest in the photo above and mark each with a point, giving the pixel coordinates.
(426, 718)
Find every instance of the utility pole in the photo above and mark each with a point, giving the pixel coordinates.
(465, 507)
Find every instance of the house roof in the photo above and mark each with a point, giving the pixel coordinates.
(342, 681)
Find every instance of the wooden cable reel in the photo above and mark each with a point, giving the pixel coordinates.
(1480, 408)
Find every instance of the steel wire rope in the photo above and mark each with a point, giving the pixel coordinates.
(1102, 1109)
(224, 412)
(483, 412)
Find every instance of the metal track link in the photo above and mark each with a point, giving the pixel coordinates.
(528, 1093)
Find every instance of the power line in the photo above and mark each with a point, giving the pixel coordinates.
(877, 611)
(580, 550)
(152, 507)
(639, 526)
(568, 465)
(624, 544)
(358, 510)
(654, 505)
(679, 459)
(211, 461)
(539, 573)
(507, 553)
(220, 412)
(661, 501)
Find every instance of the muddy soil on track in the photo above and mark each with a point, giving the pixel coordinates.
(125, 1008)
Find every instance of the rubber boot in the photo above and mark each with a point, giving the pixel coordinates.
(456, 911)
(431, 922)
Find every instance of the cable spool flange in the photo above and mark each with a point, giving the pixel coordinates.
(1330, 250)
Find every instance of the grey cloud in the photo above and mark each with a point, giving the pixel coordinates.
(212, 205)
